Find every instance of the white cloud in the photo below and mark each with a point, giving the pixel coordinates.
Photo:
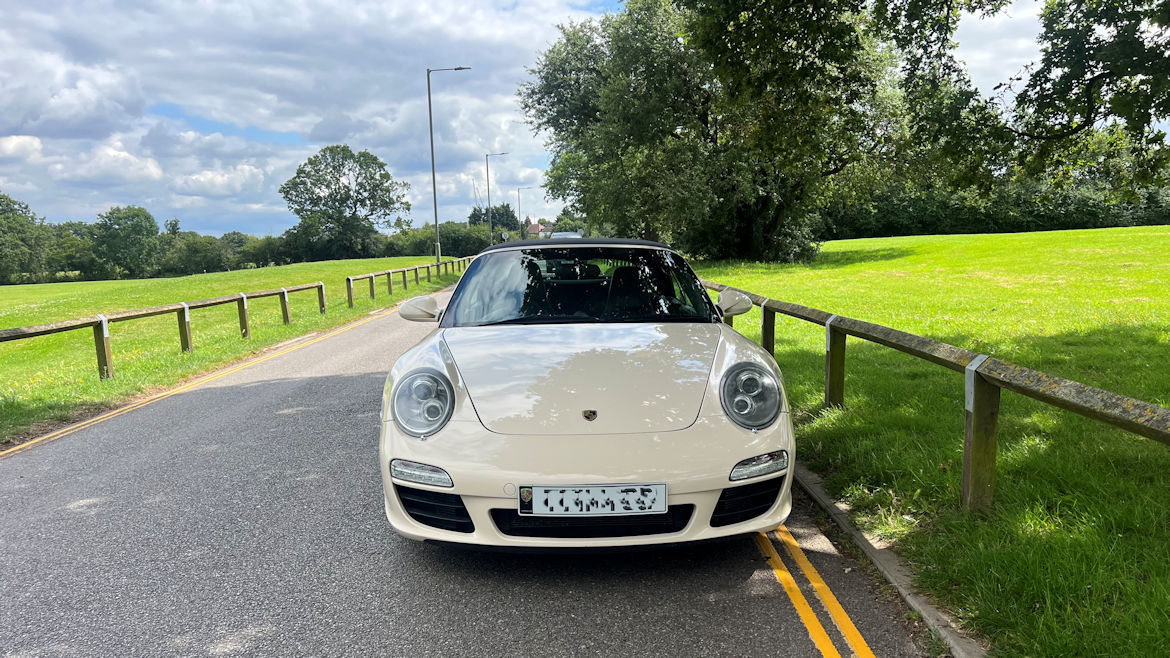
(995, 48)
(21, 147)
(206, 108)
(107, 163)
(11, 187)
(220, 182)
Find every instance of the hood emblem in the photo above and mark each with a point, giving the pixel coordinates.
(589, 414)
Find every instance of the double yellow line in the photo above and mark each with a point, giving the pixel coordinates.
(815, 630)
(66, 431)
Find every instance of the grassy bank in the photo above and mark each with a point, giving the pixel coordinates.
(1073, 559)
(53, 378)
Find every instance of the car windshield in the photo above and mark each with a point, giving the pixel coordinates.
(578, 284)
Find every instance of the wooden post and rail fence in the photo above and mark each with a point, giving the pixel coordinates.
(441, 269)
(984, 378)
(101, 323)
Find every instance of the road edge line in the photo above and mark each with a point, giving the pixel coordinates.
(891, 567)
(816, 631)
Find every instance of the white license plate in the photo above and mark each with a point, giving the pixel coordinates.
(592, 500)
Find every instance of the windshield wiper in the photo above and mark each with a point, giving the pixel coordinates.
(541, 319)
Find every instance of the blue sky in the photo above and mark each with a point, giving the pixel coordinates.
(201, 110)
(208, 126)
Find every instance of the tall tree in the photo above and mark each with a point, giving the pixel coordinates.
(503, 217)
(126, 237)
(654, 135)
(23, 239)
(340, 197)
(1101, 63)
(72, 251)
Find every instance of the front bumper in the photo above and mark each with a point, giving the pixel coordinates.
(487, 468)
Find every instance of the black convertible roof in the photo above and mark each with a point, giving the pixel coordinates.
(575, 242)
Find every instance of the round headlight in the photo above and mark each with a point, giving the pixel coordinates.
(422, 402)
(750, 395)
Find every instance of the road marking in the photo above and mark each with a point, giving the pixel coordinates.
(811, 623)
(66, 431)
(840, 618)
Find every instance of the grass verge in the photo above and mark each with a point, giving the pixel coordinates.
(1072, 559)
(50, 380)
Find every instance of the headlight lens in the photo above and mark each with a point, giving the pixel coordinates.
(773, 462)
(421, 473)
(422, 402)
(750, 395)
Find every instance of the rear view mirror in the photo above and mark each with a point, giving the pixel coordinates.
(421, 309)
(733, 302)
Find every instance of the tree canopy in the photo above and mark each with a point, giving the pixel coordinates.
(648, 138)
(126, 238)
(20, 238)
(503, 217)
(735, 128)
(340, 198)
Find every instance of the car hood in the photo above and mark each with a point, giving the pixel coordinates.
(547, 379)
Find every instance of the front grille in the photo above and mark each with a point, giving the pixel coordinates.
(745, 502)
(438, 510)
(512, 523)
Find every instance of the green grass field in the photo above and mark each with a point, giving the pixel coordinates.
(1073, 559)
(51, 379)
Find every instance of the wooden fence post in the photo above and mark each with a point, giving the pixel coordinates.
(979, 445)
(834, 364)
(284, 312)
(416, 281)
(371, 286)
(349, 290)
(321, 296)
(404, 286)
(101, 342)
(428, 272)
(184, 327)
(390, 283)
(768, 330)
(242, 309)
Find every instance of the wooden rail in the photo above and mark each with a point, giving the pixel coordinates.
(984, 377)
(441, 269)
(101, 323)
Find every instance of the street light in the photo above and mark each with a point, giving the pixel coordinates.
(491, 238)
(431, 126)
(520, 217)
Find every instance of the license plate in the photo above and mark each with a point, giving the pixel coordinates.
(593, 500)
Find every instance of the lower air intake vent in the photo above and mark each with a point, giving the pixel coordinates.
(511, 523)
(738, 504)
(438, 510)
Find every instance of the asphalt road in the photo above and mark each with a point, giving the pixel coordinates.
(244, 516)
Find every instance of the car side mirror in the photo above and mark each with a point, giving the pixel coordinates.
(421, 309)
(733, 302)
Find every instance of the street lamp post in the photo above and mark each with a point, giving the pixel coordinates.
(519, 217)
(431, 126)
(488, 167)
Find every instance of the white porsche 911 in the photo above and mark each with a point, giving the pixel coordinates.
(583, 393)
